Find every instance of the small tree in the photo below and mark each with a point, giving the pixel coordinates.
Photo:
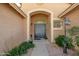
(73, 32)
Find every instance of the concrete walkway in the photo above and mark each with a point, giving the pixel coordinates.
(40, 48)
(44, 48)
(54, 50)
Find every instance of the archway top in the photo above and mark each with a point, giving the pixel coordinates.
(39, 12)
(44, 11)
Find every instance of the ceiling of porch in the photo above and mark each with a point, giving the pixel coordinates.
(56, 8)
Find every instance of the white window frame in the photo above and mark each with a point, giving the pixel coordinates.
(61, 24)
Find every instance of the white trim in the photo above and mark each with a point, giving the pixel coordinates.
(34, 10)
(51, 22)
(58, 28)
(61, 24)
(39, 22)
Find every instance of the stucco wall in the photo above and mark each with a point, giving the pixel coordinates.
(12, 31)
(58, 32)
(73, 17)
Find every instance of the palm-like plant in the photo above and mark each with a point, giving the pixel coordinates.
(74, 33)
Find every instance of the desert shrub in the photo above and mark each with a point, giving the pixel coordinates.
(21, 49)
(69, 43)
(60, 41)
(13, 52)
(77, 40)
(74, 30)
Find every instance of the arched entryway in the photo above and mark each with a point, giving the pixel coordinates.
(39, 25)
(40, 19)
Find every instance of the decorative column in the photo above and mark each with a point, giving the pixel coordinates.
(28, 27)
(52, 29)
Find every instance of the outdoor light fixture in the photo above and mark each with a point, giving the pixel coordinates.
(66, 22)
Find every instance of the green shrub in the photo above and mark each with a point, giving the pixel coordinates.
(77, 40)
(31, 42)
(13, 52)
(74, 30)
(60, 41)
(69, 43)
(21, 49)
(31, 45)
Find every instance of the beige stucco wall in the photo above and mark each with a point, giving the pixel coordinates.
(12, 27)
(58, 32)
(73, 17)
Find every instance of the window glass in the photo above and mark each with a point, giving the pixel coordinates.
(57, 24)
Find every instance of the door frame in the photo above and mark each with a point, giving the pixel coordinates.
(39, 24)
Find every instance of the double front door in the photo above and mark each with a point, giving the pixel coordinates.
(40, 31)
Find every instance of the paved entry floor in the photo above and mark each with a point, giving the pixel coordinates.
(40, 48)
(44, 48)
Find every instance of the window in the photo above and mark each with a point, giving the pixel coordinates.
(57, 23)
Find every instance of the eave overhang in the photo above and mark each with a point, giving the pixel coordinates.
(18, 9)
(68, 9)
